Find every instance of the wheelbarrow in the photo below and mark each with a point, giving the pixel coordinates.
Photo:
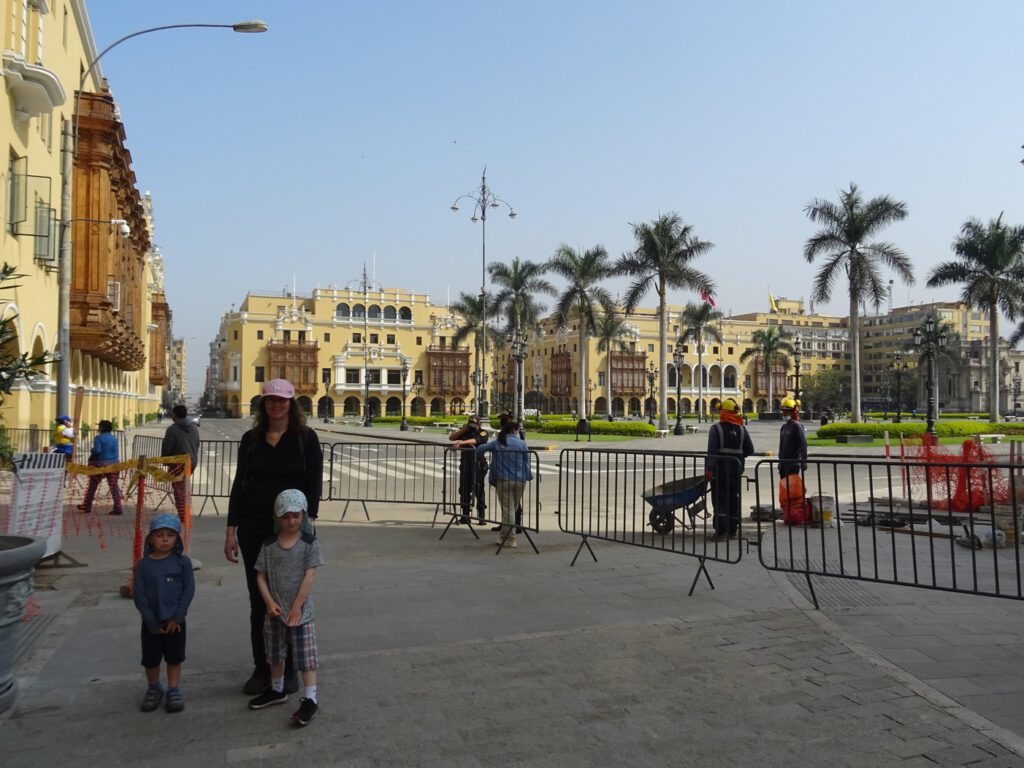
(688, 494)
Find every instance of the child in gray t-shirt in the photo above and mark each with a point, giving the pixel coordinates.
(285, 570)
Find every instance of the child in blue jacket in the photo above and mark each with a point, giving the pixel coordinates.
(164, 587)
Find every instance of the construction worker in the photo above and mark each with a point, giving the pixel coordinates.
(729, 440)
(792, 462)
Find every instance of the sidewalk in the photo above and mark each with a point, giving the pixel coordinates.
(439, 653)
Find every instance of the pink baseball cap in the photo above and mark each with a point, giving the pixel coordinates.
(278, 388)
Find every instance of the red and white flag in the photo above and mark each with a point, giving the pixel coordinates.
(705, 296)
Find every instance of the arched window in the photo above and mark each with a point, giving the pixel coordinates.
(390, 313)
(359, 311)
(374, 313)
(405, 314)
(342, 310)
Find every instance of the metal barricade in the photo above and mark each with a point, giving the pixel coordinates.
(657, 500)
(950, 526)
(471, 493)
(35, 440)
(393, 473)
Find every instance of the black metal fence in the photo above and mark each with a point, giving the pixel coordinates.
(656, 500)
(929, 524)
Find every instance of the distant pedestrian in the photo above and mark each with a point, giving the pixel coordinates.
(63, 437)
(278, 453)
(472, 469)
(181, 438)
(104, 453)
(163, 590)
(285, 572)
(729, 444)
(510, 472)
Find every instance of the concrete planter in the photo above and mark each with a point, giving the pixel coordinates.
(18, 556)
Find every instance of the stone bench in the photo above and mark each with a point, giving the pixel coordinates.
(416, 427)
(661, 433)
(691, 428)
(855, 439)
(990, 437)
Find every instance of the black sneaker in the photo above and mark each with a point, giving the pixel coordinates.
(258, 681)
(306, 711)
(154, 695)
(268, 698)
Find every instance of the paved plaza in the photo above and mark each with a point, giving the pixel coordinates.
(437, 652)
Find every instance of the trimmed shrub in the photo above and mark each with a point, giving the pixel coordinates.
(917, 428)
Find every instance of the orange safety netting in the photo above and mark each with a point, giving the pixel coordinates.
(937, 477)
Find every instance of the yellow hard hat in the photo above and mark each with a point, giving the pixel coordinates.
(790, 404)
(729, 404)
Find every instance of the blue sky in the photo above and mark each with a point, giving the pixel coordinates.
(348, 129)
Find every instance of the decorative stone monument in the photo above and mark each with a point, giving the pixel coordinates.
(18, 556)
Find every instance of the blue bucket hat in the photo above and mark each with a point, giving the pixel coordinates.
(169, 521)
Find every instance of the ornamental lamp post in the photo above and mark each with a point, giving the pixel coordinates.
(898, 367)
(930, 343)
(652, 373)
(483, 199)
(518, 355)
(797, 357)
(327, 394)
(677, 359)
(404, 426)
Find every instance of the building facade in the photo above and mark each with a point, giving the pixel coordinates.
(119, 316)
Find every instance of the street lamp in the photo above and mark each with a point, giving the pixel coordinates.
(677, 359)
(652, 373)
(930, 343)
(797, 357)
(898, 366)
(518, 355)
(69, 150)
(483, 199)
(538, 382)
(327, 393)
(404, 426)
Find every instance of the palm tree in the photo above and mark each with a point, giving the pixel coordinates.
(846, 245)
(471, 309)
(519, 283)
(582, 298)
(609, 330)
(700, 322)
(770, 346)
(661, 259)
(990, 268)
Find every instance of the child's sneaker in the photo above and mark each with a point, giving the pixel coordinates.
(268, 698)
(306, 711)
(175, 701)
(151, 700)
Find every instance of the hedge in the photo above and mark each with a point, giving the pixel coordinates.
(951, 415)
(627, 428)
(917, 428)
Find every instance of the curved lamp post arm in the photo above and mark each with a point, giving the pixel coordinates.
(245, 27)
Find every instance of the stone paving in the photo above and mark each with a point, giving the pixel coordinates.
(439, 653)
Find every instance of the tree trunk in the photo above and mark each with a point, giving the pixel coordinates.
(608, 376)
(768, 370)
(662, 371)
(993, 369)
(855, 360)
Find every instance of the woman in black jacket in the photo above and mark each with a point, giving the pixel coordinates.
(278, 453)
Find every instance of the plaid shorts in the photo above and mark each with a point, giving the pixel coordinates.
(276, 637)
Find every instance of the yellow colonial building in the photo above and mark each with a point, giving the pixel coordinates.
(347, 352)
(118, 316)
